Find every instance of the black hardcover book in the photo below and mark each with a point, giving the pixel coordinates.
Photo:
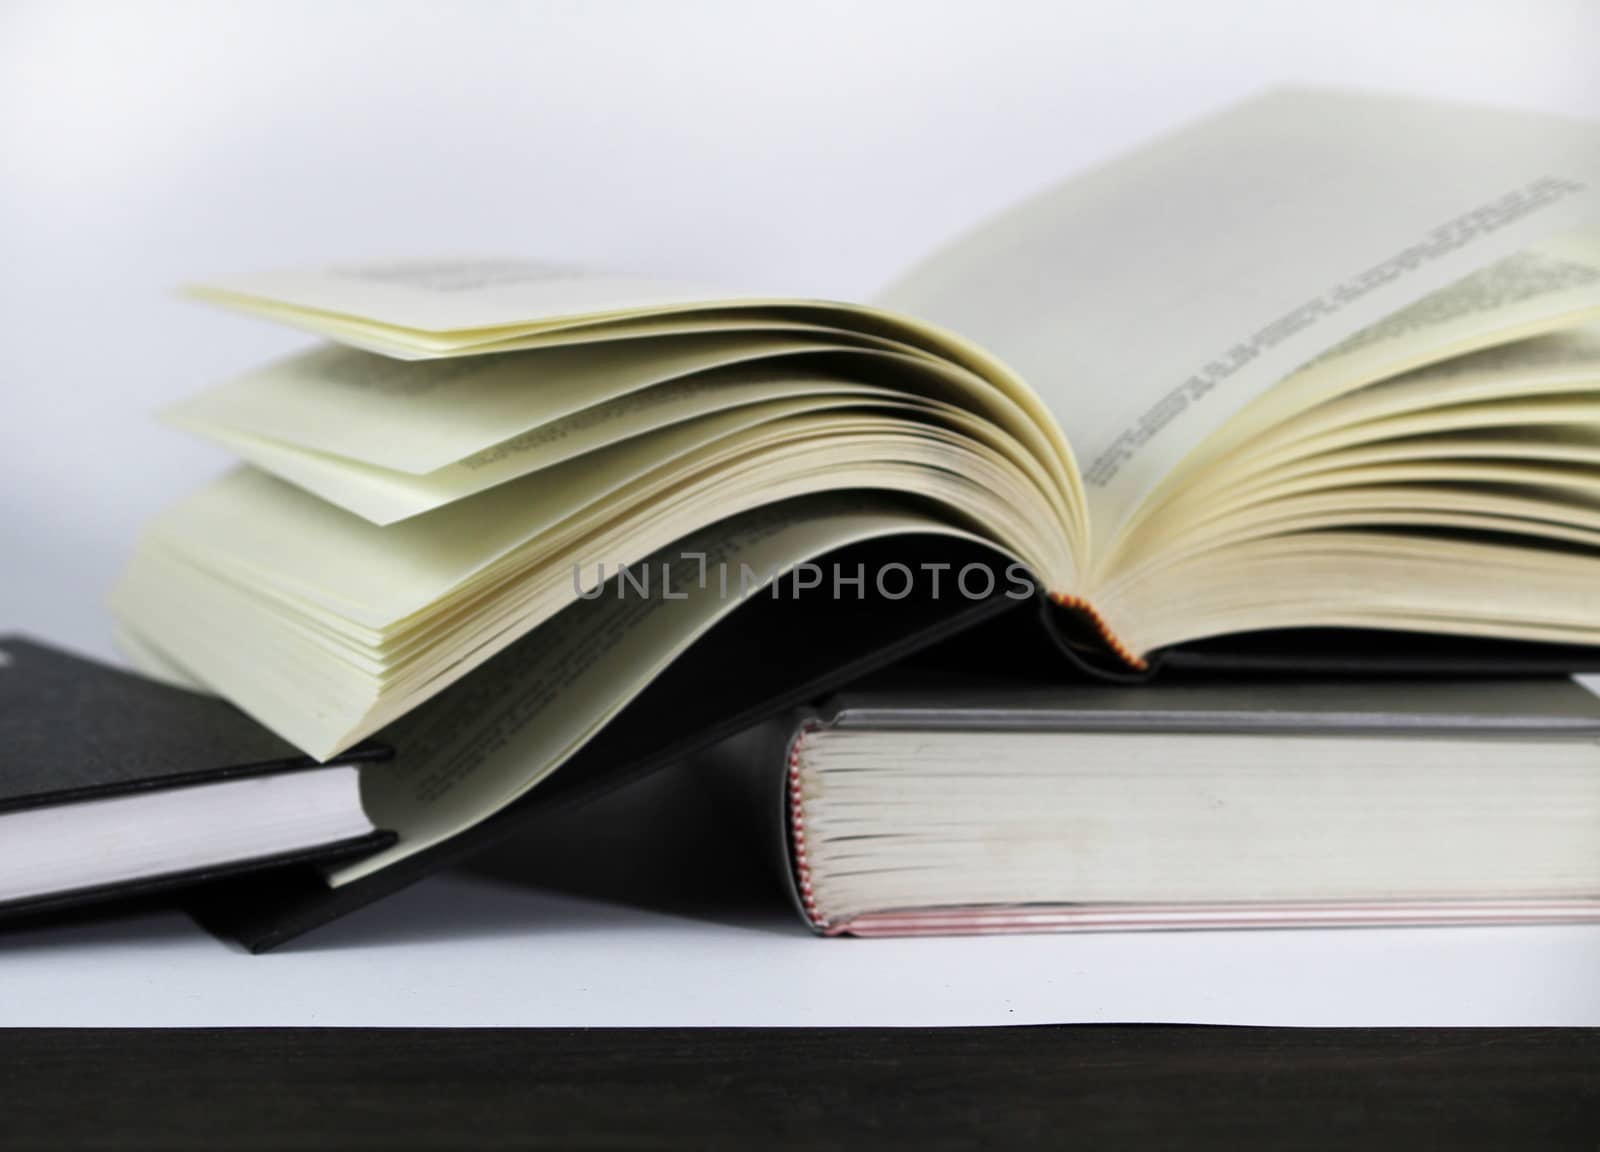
(114, 785)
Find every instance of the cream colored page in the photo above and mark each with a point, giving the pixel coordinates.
(385, 497)
(291, 680)
(484, 742)
(453, 295)
(277, 536)
(1523, 378)
(1150, 300)
(1551, 287)
(407, 344)
(1547, 289)
(418, 417)
(1363, 579)
(321, 672)
(285, 542)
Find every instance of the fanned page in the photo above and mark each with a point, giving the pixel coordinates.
(409, 517)
(1323, 357)
(327, 625)
(1152, 300)
(1184, 310)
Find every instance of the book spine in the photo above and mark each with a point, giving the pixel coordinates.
(1085, 638)
(794, 826)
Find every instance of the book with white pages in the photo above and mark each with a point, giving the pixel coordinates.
(938, 805)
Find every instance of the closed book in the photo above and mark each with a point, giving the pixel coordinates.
(947, 807)
(114, 785)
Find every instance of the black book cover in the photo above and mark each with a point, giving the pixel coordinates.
(72, 729)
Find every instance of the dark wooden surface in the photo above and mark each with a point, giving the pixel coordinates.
(1075, 1087)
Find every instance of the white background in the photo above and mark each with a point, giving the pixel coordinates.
(819, 146)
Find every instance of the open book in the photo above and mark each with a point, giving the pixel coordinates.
(1323, 360)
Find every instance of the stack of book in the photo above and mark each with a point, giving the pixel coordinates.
(1255, 476)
